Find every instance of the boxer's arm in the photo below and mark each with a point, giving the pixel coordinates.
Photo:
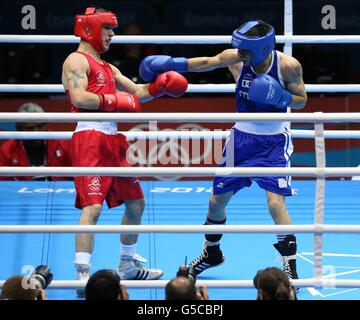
(125, 84)
(224, 59)
(170, 83)
(75, 80)
(293, 78)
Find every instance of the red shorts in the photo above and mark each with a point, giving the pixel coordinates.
(91, 148)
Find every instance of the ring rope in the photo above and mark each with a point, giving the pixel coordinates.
(180, 171)
(192, 88)
(174, 39)
(166, 134)
(173, 117)
(327, 282)
(213, 229)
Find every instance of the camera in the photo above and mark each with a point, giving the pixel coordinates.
(42, 276)
(187, 272)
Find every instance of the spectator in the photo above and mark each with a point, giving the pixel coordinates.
(273, 284)
(184, 288)
(35, 153)
(105, 285)
(21, 288)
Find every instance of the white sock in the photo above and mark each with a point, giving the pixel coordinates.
(82, 258)
(211, 243)
(128, 250)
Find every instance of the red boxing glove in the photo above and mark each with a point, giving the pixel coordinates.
(170, 83)
(119, 102)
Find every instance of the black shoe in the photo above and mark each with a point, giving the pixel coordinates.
(287, 250)
(210, 257)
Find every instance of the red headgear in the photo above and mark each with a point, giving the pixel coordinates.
(89, 26)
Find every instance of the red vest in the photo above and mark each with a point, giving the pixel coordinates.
(100, 79)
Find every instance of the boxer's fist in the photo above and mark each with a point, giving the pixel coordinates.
(170, 83)
(152, 66)
(119, 102)
(266, 90)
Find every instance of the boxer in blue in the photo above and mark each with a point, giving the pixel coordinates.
(266, 81)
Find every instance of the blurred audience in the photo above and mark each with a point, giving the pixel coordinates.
(105, 285)
(128, 56)
(273, 284)
(35, 153)
(21, 288)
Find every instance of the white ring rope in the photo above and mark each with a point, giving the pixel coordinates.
(325, 283)
(177, 39)
(166, 134)
(213, 229)
(180, 171)
(192, 88)
(178, 117)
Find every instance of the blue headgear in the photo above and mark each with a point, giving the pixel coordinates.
(259, 46)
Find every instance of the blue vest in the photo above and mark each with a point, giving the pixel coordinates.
(247, 75)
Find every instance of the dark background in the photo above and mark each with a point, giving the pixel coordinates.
(322, 63)
(41, 63)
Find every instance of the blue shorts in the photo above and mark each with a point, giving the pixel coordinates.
(251, 150)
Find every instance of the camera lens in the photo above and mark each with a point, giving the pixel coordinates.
(42, 276)
(39, 281)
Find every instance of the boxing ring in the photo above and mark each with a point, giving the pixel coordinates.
(171, 196)
(38, 221)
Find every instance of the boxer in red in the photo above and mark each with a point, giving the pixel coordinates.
(93, 85)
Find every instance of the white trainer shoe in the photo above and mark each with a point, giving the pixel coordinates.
(83, 274)
(131, 269)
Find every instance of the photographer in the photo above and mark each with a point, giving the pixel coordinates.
(105, 285)
(21, 288)
(25, 288)
(273, 284)
(183, 286)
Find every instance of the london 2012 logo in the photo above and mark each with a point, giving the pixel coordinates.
(95, 184)
(100, 79)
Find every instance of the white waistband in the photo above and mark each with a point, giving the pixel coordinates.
(104, 127)
(263, 128)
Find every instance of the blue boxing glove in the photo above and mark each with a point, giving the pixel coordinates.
(152, 66)
(266, 90)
